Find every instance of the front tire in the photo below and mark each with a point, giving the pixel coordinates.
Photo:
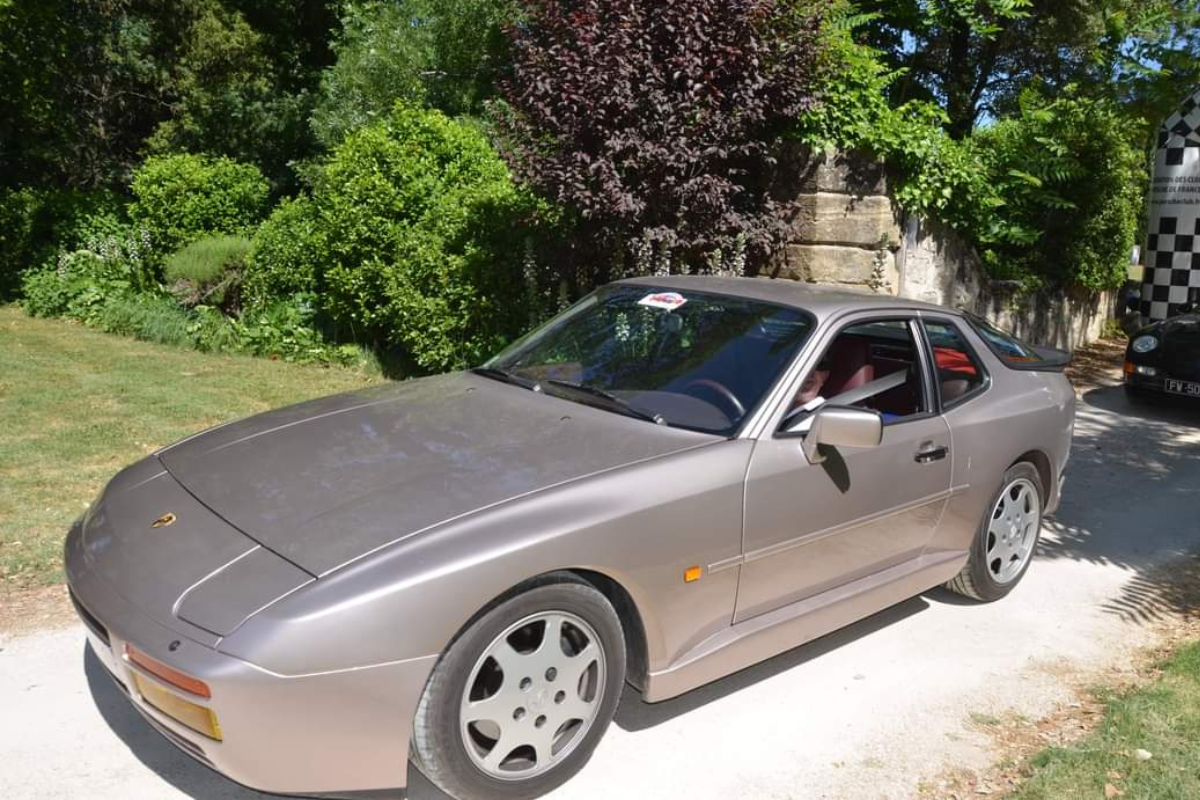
(520, 699)
(1136, 395)
(1006, 539)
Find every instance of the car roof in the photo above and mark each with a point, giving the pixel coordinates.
(823, 301)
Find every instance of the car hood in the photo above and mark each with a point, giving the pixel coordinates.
(324, 482)
(1184, 328)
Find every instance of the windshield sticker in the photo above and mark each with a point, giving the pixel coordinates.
(664, 300)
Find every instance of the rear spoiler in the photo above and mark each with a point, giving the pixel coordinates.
(1050, 360)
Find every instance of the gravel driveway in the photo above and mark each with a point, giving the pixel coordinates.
(868, 712)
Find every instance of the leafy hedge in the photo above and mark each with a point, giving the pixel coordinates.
(413, 239)
(1070, 186)
(180, 198)
(283, 259)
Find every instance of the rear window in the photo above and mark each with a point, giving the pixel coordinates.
(1006, 346)
(1015, 353)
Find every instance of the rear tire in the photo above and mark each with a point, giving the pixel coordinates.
(1006, 538)
(511, 712)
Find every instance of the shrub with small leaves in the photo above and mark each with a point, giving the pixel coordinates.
(284, 258)
(183, 197)
(421, 239)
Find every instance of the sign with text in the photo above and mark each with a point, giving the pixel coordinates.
(1172, 276)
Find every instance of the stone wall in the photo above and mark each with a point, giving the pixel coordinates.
(937, 266)
(848, 231)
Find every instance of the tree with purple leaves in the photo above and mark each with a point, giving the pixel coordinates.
(661, 127)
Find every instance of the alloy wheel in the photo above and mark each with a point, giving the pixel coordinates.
(532, 695)
(1012, 530)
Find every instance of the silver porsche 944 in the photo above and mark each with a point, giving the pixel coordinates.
(672, 480)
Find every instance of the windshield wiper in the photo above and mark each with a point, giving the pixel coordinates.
(618, 404)
(508, 377)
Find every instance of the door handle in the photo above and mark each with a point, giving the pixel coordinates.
(932, 454)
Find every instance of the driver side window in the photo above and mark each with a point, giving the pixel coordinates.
(872, 365)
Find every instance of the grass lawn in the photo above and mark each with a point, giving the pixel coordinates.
(77, 405)
(1162, 719)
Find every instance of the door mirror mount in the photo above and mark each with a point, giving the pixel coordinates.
(840, 426)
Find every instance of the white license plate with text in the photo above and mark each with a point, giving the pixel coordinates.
(1183, 387)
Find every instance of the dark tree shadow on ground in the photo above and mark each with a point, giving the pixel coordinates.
(1132, 500)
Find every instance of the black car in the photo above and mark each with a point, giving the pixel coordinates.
(1164, 358)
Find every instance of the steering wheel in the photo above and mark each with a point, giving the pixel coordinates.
(724, 392)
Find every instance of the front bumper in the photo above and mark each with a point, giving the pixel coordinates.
(343, 733)
(1157, 383)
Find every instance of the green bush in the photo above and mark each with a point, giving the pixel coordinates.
(208, 270)
(80, 282)
(36, 223)
(1049, 196)
(183, 197)
(288, 330)
(205, 261)
(421, 239)
(211, 331)
(1069, 184)
(445, 53)
(283, 260)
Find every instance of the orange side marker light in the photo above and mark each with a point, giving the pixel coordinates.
(692, 574)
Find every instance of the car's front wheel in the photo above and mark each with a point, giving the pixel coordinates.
(1006, 538)
(1136, 395)
(521, 698)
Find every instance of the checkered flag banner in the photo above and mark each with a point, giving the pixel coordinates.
(1181, 131)
(1172, 254)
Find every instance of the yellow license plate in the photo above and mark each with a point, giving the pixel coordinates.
(198, 718)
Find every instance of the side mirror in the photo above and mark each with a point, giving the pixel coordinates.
(842, 427)
(1133, 303)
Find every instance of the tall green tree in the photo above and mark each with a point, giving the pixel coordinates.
(85, 83)
(1151, 52)
(444, 53)
(974, 58)
(234, 91)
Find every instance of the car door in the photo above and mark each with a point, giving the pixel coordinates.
(808, 527)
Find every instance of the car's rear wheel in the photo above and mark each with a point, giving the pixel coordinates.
(519, 701)
(1006, 538)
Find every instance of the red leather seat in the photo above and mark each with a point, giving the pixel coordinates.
(850, 367)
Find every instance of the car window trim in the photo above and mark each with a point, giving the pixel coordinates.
(770, 421)
(931, 364)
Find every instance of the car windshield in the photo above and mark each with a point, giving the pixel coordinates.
(688, 359)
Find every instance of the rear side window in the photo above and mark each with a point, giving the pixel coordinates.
(959, 373)
(1007, 347)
